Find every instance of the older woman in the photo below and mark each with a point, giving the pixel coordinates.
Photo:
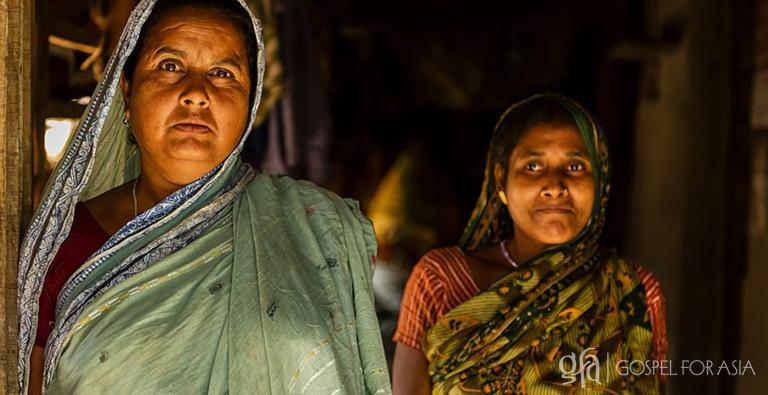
(159, 263)
(530, 302)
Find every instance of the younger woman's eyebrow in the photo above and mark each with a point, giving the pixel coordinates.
(538, 154)
(531, 153)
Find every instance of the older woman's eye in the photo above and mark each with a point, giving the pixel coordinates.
(221, 73)
(169, 65)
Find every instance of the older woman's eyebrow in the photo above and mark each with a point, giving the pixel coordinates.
(235, 62)
(170, 51)
(232, 61)
(576, 154)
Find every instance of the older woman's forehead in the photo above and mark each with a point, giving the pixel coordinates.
(189, 30)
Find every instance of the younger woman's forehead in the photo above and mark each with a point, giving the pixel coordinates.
(544, 139)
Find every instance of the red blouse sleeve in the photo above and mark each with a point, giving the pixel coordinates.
(85, 237)
(45, 319)
(421, 305)
(657, 307)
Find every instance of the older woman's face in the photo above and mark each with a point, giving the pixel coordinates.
(188, 101)
(549, 186)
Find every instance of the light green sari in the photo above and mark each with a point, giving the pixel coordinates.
(240, 309)
(237, 283)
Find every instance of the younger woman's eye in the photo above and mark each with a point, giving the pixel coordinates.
(169, 65)
(222, 73)
(533, 166)
(575, 167)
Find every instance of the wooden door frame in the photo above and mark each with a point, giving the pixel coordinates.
(16, 42)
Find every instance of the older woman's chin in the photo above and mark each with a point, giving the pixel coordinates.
(195, 150)
(185, 172)
(186, 163)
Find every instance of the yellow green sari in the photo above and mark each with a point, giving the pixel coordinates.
(561, 322)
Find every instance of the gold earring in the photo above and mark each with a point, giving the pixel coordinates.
(503, 197)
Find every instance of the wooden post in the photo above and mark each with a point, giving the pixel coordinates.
(16, 36)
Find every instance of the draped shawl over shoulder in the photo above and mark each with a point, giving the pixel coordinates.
(577, 300)
(238, 282)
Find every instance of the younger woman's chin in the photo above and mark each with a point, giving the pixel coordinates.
(555, 234)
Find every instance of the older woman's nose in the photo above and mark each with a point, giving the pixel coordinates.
(195, 94)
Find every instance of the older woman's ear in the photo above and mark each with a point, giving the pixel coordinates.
(125, 87)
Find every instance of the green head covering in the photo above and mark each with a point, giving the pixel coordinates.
(490, 221)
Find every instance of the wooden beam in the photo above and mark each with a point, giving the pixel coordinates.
(16, 37)
(70, 44)
(63, 31)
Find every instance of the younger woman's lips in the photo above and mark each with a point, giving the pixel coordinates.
(192, 128)
(554, 210)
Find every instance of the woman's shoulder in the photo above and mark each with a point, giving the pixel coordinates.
(642, 273)
(652, 286)
(286, 189)
(321, 208)
(443, 255)
(442, 261)
(650, 282)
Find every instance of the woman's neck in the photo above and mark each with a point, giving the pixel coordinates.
(151, 190)
(522, 247)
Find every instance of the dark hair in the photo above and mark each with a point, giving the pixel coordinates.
(231, 9)
(534, 112)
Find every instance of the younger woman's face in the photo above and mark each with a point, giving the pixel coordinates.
(549, 186)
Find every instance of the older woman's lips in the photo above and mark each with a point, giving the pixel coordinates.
(192, 128)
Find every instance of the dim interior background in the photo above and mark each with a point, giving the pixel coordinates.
(393, 103)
